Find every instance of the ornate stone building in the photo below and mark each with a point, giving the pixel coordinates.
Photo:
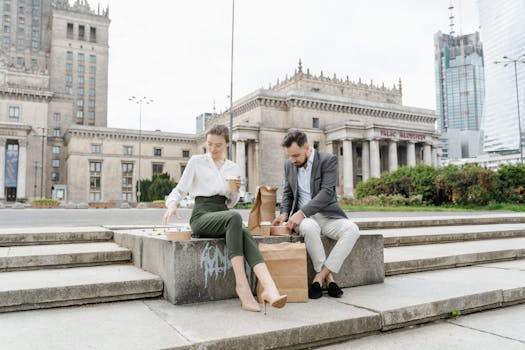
(53, 75)
(364, 124)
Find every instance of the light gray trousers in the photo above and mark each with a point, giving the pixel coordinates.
(343, 231)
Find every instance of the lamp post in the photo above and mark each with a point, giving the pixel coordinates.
(506, 61)
(230, 144)
(140, 101)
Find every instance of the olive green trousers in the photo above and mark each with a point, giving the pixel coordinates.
(211, 218)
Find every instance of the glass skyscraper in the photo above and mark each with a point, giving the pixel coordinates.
(503, 32)
(460, 92)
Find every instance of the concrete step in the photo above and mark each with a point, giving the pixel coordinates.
(53, 235)
(444, 234)
(25, 290)
(409, 259)
(366, 310)
(450, 220)
(61, 255)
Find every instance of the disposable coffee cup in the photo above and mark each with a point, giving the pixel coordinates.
(232, 186)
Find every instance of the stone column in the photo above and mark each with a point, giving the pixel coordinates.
(411, 153)
(427, 154)
(392, 155)
(435, 157)
(375, 166)
(2, 167)
(348, 169)
(22, 165)
(241, 161)
(365, 159)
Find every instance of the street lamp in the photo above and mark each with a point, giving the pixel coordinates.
(140, 101)
(230, 149)
(506, 61)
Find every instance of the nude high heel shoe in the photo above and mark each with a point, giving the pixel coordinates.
(277, 301)
(247, 306)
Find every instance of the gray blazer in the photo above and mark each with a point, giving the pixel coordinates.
(322, 188)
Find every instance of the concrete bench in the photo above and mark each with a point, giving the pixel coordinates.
(199, 270)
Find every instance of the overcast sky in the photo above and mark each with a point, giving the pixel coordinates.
(178, 52)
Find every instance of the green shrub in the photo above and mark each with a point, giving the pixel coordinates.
(44, 200)
(509, 184)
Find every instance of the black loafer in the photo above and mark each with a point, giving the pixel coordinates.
(334, 291)
(315, 291)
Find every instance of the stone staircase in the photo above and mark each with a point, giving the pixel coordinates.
(42, 268)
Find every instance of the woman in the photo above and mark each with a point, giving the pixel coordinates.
(205, 178)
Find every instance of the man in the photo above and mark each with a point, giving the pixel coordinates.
(309, 206)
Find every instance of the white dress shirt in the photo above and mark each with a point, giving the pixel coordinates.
(304, 174)
(202, 178)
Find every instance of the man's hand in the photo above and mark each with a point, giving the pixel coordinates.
(172, 210)
(295, 220)
(280, 219)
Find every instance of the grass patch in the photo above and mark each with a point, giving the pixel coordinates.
(430, 208)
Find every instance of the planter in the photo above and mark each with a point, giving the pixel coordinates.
(102, 205)
(178, 235)
(159, 205)
(45, 205)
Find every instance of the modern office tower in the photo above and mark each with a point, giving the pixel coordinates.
(503, 33)
(459, 79)
(53, 75)
(200, 121)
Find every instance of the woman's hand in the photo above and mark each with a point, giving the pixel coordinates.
(172, 210)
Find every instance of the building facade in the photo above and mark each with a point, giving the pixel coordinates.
(53, 75)
(459, 80)
(503, 34)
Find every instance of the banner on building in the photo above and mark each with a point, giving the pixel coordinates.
(11, 167)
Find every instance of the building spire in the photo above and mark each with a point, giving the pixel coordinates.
(300, 68)
(451, 18)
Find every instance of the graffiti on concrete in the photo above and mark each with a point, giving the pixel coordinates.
(214, 262)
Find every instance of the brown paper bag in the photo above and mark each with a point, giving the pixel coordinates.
(263, 208)
(287, 264)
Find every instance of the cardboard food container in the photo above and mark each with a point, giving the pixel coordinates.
(178, 235)
(280, 230)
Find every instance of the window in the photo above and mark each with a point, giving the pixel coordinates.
(94, 180)
(7, 40)
(69, 90)
(7, 29)
(127, 181)
(80, 114)
(7, 7)
(34, 33)
(92, 58)
(91, 92)
(14, 112)
(95, 167)
(157, 168)
(91, 115)
(94, 196)
(315, 123)
(56, 117)
(21, 10)
(56, 149)
(92, 69)
(91, 103)
(157, 152)
(35, 22)
(55, 163)
(69, 67)
(127, 150)
(91, 81)
(81, 32)
(34, 44)
(55, 177)
(34, 12)
(69, 56)
(182, 168)
(56, 132)
(96, 148)
(69, 79)
(36, 2)
(20, 31)
(20, 42)
(80, 103)
(21, 20)
(20, 61)
(80, 79)
(7, 18)
(34, 62)
(93, 34)
(80, 57)
(70, 30)
(80, 68)
(185, 153)
(316, 145)
(80, 91)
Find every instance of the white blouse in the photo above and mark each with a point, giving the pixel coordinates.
(202, 178)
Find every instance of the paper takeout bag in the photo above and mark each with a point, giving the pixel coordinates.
(263, 208)
(287, 264)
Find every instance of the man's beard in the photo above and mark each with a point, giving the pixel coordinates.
(302, 165)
